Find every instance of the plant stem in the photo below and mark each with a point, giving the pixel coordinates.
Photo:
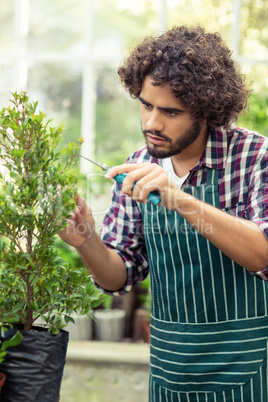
(29, 313)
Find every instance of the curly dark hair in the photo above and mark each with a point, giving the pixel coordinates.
(199, 68)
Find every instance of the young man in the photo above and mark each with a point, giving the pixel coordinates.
(206, 244)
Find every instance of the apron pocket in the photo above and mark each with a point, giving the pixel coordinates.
(207, 357)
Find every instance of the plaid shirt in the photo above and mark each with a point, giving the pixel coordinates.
(242, 160)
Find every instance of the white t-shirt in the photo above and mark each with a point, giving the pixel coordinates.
(168, 167)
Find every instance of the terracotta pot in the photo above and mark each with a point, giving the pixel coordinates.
(2, 381)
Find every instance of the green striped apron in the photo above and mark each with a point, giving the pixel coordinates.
(209, 324)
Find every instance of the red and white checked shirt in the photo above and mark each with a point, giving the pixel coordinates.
(241, 156)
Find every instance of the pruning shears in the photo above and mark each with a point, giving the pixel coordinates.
(153, 197)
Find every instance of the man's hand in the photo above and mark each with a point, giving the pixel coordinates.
(81, 224)
(148, 177)
(240, 239)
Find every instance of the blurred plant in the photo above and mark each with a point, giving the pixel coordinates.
(257, 116)
(146, 298)
(107, 301)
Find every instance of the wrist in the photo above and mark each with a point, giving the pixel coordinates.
(178, 200)
(185, 204)
(88, 242)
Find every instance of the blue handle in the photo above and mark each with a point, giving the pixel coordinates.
(153, 197)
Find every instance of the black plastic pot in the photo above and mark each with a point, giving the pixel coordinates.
(34, 368)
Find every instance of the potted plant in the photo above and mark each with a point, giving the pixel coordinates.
(37, 192)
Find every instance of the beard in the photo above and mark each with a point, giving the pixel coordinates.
(175, 148)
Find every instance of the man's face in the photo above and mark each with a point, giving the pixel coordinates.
(167, 125)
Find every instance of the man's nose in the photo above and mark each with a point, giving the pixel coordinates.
(155, 122)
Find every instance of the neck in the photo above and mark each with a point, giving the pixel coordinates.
(187, 159)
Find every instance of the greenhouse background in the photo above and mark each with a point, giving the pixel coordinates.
(65, 54)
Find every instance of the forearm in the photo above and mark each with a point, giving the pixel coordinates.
(103, 263)
(240, 239)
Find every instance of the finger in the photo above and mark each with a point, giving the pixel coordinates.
(150, 182)
(135, 179)
(124, 168)
(71, 216)
(80, 202)
(146, 178)
(70, 222)
(140, 171)
(81, 206)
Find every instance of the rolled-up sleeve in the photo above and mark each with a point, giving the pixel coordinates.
(257, 210)
(122, 230)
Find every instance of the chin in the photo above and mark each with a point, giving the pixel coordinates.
(158, 153)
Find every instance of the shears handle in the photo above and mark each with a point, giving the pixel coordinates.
(153, 197)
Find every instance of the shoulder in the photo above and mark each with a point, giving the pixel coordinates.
(140, 156)
(243, 137)
(246, 144)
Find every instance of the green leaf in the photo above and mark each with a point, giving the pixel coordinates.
(68, 319)
(24, 124)
(14, 341)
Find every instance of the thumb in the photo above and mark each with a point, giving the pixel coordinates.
(82, 206)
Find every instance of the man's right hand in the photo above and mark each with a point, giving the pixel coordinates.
(81, 224)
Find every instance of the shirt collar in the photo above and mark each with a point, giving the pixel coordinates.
(215, 153)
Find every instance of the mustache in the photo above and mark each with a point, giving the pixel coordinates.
(156, 134)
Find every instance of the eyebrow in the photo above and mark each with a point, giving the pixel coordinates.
(164, 109)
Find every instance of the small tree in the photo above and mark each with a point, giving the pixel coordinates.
(37, 192)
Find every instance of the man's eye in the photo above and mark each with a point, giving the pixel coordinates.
(171, 113)
(147, 106)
